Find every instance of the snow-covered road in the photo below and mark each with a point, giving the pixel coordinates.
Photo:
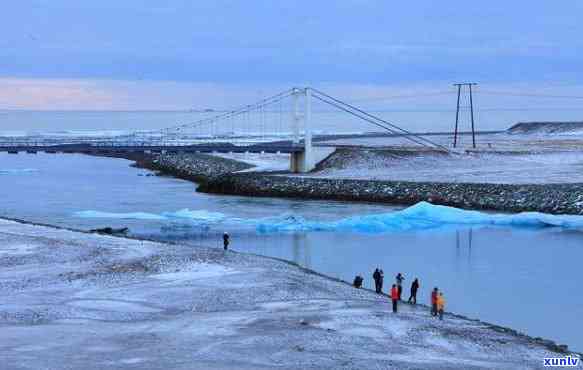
(79, 301)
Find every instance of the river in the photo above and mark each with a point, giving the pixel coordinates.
(524, 277)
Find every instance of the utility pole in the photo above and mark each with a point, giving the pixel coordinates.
(457, 111)
(457, 114)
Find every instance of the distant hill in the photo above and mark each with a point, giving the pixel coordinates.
(546, 127)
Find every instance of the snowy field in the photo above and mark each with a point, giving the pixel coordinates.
(535, 142)
(534, 168)
(74, 300)
(500, 158)
(540, 168)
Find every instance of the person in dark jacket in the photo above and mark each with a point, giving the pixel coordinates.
(399, 278)
(226, 240)
(395, 297)
(434, 295)
(377, 280)
(414, 288)
(357, 281)
(381, 280)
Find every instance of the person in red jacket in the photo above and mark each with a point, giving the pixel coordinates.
(434, 294)
(395, 296)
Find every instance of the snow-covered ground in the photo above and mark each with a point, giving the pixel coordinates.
(74, 300)
(500, 158)
(479, 167)
(535, 142)
(541, 168)
(261, 162)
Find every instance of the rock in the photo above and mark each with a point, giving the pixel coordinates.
(563, 348)
(111, 231)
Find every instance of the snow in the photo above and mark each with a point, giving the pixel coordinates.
(110, 305)
(261, 162)
(509, 168)
(201, 271)
(109, 302)
(499, 158)
(18, 249)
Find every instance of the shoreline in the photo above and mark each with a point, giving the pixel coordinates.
(216, 175)
(538, 341)
(550, 199)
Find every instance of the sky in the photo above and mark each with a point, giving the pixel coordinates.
(179, 54)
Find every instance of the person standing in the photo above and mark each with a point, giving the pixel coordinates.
(395, 297)
(226, 240)
(381, 280)
(399, 278)
(357, 281)
(434, 295)
(414, 288)
(440, 305)
(377, 280)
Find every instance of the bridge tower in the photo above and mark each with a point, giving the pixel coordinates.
(302, 161)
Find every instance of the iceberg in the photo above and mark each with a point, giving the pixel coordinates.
(421, 216)
(184, 214)
(122, 216)
(17, 171)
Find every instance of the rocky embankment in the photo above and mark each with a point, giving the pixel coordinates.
(552, 198)
(200, 167)
(217, 175)
(188, 166)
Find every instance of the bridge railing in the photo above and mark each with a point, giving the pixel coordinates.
(141, 141)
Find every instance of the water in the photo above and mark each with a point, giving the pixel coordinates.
(494, 268)
(275, 119)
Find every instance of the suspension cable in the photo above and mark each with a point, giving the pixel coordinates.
(235, 112)
(364, 118)
(393, 128)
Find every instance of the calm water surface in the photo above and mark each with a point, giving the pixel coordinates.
(525, 278)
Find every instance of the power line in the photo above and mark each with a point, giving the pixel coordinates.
(508, 93)
(384, 98)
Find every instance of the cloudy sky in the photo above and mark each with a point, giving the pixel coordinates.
(175, 54)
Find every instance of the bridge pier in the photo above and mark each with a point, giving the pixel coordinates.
(298, 163)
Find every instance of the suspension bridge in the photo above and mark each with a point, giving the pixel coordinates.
(281, 123)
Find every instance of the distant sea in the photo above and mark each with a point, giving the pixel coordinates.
(99, 123)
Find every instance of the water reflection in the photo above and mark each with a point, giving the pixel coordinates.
(463, 240)
(301, 250)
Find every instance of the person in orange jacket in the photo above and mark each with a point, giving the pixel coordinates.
(395, 296)
(434, 295)
(440, 305)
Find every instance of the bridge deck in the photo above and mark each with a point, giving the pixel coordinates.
(91, 149)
